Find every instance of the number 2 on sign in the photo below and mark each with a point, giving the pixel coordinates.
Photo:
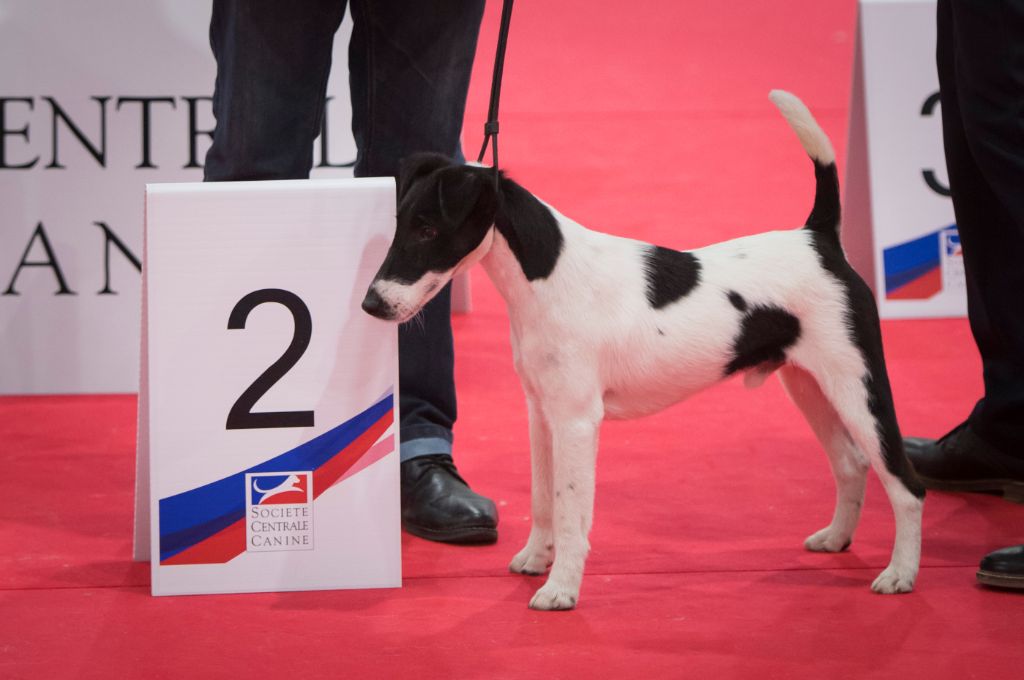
(241, 417)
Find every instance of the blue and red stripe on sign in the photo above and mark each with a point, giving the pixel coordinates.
(913, 269)
(205, 525)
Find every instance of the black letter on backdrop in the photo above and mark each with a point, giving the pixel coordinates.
(99, 154)
(194, 131)
(324, 146)
(50, 261)
(109, 237)
(146, 110)
(5, 131)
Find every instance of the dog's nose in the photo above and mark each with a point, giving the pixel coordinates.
(374, 305)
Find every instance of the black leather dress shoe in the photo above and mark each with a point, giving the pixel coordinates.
(1003, 568)
(437, 504)
(961, 461)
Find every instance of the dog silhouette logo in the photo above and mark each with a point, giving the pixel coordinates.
(279, 511)
(279, 489)
(951, 239)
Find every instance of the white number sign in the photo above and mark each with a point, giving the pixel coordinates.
(899, 230)
(267, 411)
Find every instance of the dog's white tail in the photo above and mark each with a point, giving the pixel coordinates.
(825, 214)
(812, 137)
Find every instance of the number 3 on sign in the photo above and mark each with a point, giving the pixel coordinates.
(241, 417)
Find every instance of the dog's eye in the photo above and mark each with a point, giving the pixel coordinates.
(427, 233)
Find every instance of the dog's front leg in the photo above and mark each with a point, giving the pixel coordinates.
(537, 555)
(574, 454)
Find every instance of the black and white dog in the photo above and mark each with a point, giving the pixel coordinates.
(608, 327)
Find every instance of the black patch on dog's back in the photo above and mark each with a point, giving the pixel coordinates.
(671, 275)
(531, 230)
(865, 332)
(765, 335)
(737, 301)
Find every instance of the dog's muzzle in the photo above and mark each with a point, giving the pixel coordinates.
(374, 305)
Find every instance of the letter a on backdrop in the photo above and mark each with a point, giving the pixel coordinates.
(268, 448)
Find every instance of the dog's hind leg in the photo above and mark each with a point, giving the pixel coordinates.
(574, 433)
(849, 466)
(538, 553)
(864, 404)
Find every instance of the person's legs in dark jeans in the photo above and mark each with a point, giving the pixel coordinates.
(273, 60)
(409, 67)
(980, 58)
(983, 120)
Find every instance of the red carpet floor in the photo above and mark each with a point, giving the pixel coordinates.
(648, 119)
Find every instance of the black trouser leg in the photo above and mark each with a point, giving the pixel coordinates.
(273, 60)
(409, 68)
(981, 75)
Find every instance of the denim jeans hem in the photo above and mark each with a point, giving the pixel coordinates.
(425, 446)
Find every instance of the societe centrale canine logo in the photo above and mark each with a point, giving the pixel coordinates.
(278, 511)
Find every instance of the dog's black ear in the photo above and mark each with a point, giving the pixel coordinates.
(416, 167)
(464, 193)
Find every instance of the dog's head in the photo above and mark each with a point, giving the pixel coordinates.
(446, 217)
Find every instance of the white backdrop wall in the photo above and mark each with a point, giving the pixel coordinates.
(97, 99)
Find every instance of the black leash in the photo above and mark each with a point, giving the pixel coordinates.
(491, 126)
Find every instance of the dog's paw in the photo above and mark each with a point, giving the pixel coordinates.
(530, 562)
(551, 597)
(893, 580)
(534, 559)
(827, 540)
